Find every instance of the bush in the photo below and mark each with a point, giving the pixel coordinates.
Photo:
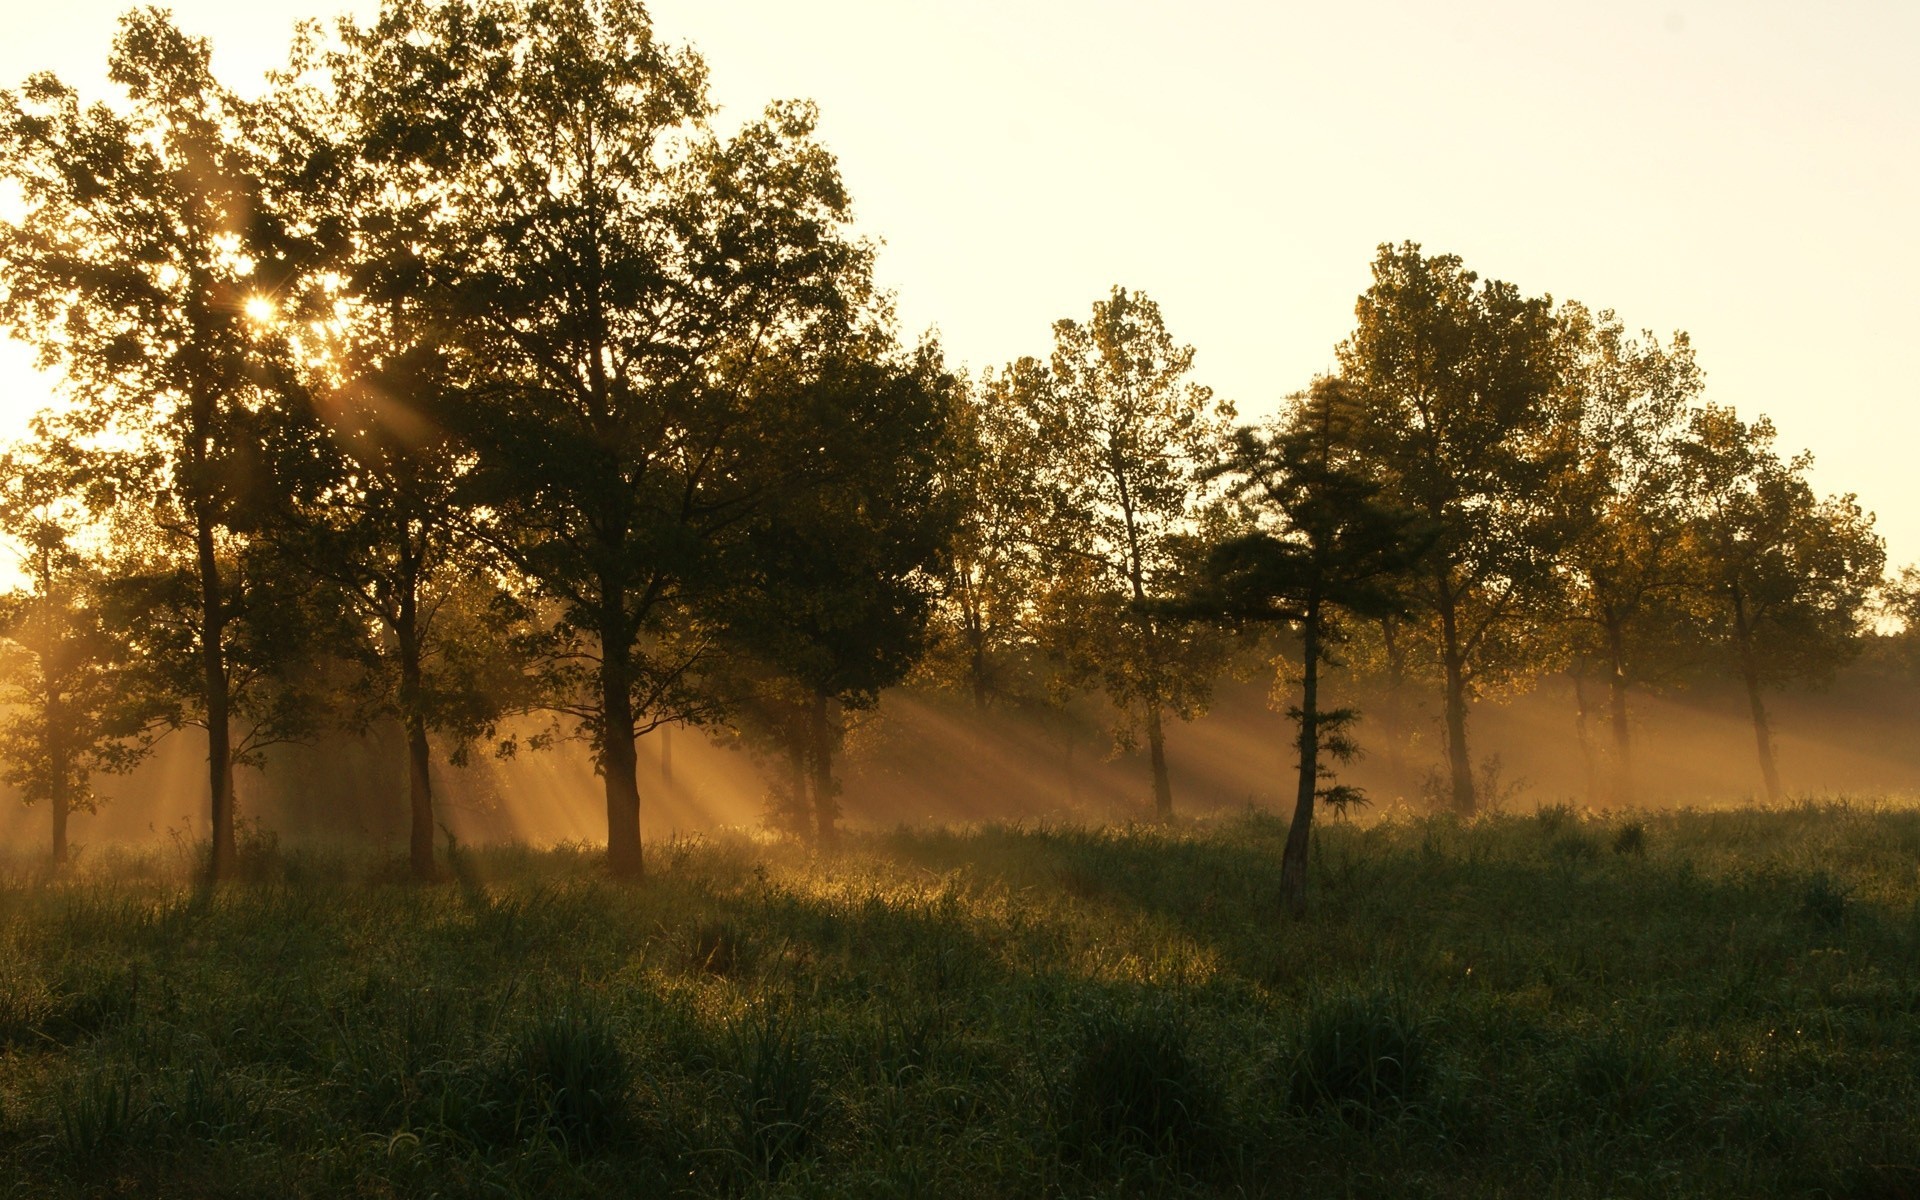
(1631, 839)
(1134, 1085)
(1362, 1057)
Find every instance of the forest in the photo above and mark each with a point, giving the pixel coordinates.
(470, 397)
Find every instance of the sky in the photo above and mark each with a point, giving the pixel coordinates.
(1743, 170)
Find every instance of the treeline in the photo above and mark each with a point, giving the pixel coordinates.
(471, 373)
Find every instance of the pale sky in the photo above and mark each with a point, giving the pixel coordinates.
(1746, 170)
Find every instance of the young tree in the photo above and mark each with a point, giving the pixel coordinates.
(619, 278)
(1325, 547)
(1454, 379)
(67, 717)
(1785, 575)
(1618, 499)
(1126, 437)
(142, 266)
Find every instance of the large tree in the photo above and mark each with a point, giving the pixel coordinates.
(1126, 436)
(627, 285)
(142, 266)
(1455, 382)
(1784, 575)
(1622, 558)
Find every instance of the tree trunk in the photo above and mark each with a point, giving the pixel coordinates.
(419, 778)
(1461, 766)
(666, 756)
(618, 757)
(1750, 674)
(1157, 752)
(825, 806)
(1293, 860)
(218, 699)
(1617, 703)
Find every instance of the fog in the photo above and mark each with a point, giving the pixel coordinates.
(921, 760)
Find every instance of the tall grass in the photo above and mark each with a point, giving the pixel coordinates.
(1690, 1003)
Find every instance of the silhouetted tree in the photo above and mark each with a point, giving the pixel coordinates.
(621, 278)
(143, 266)
(1325, 547)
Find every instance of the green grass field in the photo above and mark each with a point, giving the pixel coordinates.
(1681, 1004)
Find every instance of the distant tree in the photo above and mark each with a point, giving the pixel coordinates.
(1785, 577)
(1126, 437)
(627, 286)
(143, 267)
(66, 715)
(1454, 379)
(982, 639)
(848, 560)
(1622, 546)
(1325, 548)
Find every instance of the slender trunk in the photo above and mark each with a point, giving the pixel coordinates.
(219, 706)
(419, 779)
(1293, 861)
(1464, 801)
(1750, 674)
(1580, 710)
(825, 806)
(1617, 705)
(1157, 752)
(618, 763)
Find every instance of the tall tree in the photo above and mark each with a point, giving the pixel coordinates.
(621, 278)
(141, 266)
(1325, 548)
(1455, 382)
(1127, 435)
(1786, 576)
(1618, 498)
(848, 561)
(67, 715)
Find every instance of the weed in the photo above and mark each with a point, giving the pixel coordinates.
(781, 1092)
(96, 1117)
(570, 1076)
(1631, 838)
(1823, 901)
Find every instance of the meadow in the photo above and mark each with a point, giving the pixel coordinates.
(1556, 1004)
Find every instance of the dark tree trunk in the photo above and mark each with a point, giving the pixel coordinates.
(219, 705)
(1623, 790)
(1157, 752)
(413, 717)
(1459, 764)
(1293, 860)
(618, 758)
(825, 806)
(1750, 675)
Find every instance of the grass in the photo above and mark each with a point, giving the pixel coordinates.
(1561, 1005)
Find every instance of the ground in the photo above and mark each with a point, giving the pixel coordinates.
(1557, 1004)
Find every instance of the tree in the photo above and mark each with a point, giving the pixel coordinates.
(67, 718)
(1126, 436)
(623, 285)
(1325, 547)
(1785, 576)
(847, 561)
(1454, 379)
(1618, 498)
(142, 266)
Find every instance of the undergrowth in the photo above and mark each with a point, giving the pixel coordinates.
(1567, 1004)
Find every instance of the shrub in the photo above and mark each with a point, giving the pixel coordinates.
(1362, 1057)
(1134, 1085)
(1631, 839)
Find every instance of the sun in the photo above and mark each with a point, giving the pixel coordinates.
(261, 310)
